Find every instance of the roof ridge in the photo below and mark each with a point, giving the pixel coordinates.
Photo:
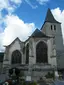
(38, 33)
(13, 41)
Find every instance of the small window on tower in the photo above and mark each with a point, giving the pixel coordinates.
(54, 27)
(51, 27)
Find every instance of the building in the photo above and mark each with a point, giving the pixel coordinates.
(43, 51)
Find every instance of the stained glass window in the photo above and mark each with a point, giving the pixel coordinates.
(41, 53)
(16, 57)
(27, 53)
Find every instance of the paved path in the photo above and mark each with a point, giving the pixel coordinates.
(58, 82)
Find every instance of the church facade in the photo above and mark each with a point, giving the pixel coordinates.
(44, 47)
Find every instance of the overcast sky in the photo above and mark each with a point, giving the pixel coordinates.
(19, 18)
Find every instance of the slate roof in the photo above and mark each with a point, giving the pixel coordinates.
(38, 33)
(1, 56)
(50, 17)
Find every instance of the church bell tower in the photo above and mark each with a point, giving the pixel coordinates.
(52, 28)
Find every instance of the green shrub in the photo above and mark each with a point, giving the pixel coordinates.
(34, 83)
(50, 75)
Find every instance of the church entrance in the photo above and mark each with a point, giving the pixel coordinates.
(41, 53)
(16, 57)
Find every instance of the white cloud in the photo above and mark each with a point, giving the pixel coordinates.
(42, 2)
(17, 1)
(16, 28)
(29, 3)
(1, 42)
(8, 6)
(59, 16)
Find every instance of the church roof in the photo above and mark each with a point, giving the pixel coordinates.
(14, 41)
(1, 56)
(50, 17)
(38, 33)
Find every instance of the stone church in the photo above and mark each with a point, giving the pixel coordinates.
(43, 50)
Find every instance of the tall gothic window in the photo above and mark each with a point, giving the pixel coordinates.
(27, 53)
(51, 27)
(54, 27)
(16, 57)
(41, 53)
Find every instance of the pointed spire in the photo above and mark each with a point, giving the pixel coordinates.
(50, 17)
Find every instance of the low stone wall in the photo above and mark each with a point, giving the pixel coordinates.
(35, 71)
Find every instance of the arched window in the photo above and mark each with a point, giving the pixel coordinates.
(16, 57)
(51, 27)
(54, 27)
(41, 53)
(27, 53)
